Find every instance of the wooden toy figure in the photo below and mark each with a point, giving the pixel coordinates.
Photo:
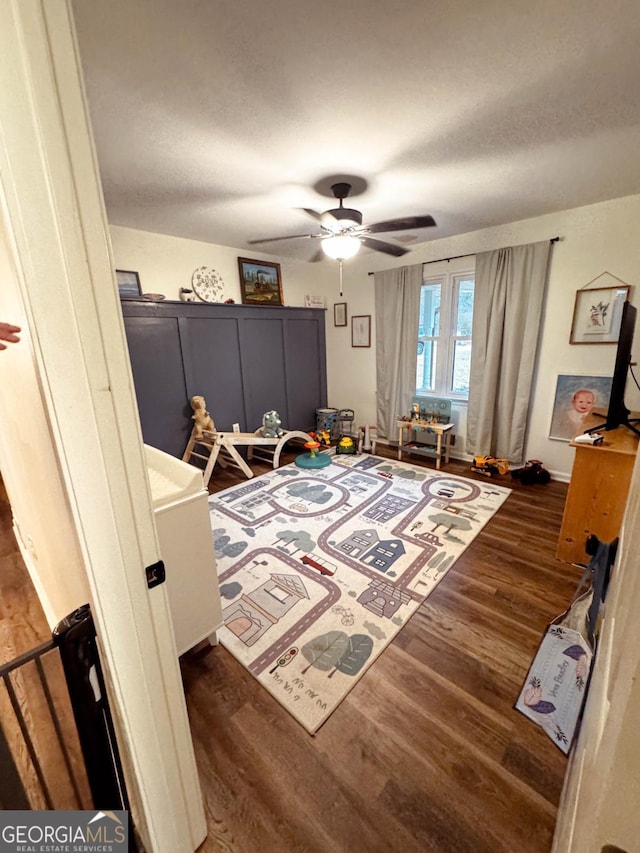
(201, 418)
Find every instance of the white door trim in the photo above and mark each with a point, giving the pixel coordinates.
(56, 225)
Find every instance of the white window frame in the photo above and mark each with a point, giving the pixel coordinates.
(445, 342)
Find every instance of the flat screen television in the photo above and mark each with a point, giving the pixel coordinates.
(617, 412)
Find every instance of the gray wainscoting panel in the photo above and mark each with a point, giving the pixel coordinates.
(211, 350)
(244, 359)
(158, 373)
(264, 368)
(306, 377)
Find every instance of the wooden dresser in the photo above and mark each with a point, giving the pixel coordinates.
(597, 493)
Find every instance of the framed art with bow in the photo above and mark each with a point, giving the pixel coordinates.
(597, 314)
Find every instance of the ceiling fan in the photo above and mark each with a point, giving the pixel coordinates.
(342, 232)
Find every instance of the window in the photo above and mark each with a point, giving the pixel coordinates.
(444, 335)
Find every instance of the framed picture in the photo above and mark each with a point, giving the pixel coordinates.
(576, 402)
(311, 301)
(128, 284)
(597, 314)
(260, 282)
(361, 331)
(340, 314)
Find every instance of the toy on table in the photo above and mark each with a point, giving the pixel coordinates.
(489, 466)
(430, 428)
(429, 410)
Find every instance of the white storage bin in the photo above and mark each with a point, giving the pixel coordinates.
(182, 518)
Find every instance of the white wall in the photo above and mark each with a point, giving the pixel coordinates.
(41, 516)
(594, 239)
(165, 264)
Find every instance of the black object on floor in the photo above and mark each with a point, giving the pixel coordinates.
(532, 472)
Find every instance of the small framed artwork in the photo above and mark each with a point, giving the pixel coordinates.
(361, 331)
(260, 282)
(577, 401)
(128, 284)
(311, 301)
(597, 314)
(340, 314)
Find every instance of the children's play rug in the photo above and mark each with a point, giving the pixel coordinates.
(320, 569)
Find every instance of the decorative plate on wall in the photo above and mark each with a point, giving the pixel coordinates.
(208, 284)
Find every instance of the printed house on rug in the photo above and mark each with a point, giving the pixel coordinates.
(383, 599)
(257, 611)
(384, 554)
(381, 555)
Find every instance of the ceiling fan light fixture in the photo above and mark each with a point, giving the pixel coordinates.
(341, 247)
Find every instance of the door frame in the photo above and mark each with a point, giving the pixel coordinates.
(64, 292)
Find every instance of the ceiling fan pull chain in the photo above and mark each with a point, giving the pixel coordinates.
(340, 263)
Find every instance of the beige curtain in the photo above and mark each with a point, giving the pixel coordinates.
(397, 295)
(509, 292)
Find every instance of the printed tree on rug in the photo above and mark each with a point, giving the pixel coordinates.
(338, 652)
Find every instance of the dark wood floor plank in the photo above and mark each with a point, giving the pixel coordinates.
(467, 717)
(427, 747)
(328, 811)
(23, 627)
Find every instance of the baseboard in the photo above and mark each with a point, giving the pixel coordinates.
(559, 476)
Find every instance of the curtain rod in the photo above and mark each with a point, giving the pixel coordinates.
(468, 255)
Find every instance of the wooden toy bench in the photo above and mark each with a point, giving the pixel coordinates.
(220, 447)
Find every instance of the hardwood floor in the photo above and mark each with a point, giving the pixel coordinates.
(426, 752)
(23, 627)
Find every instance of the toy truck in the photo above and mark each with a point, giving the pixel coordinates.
(489, 466)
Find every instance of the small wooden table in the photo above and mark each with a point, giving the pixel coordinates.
(440, 430)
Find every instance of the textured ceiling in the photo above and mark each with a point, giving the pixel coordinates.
(215, 120)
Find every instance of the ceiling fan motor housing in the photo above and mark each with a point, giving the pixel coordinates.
(341, 217)
(346, 217)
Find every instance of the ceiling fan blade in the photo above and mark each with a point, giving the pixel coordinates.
(313, 213)
(404, 224)
(387, 248)
(276, 239)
